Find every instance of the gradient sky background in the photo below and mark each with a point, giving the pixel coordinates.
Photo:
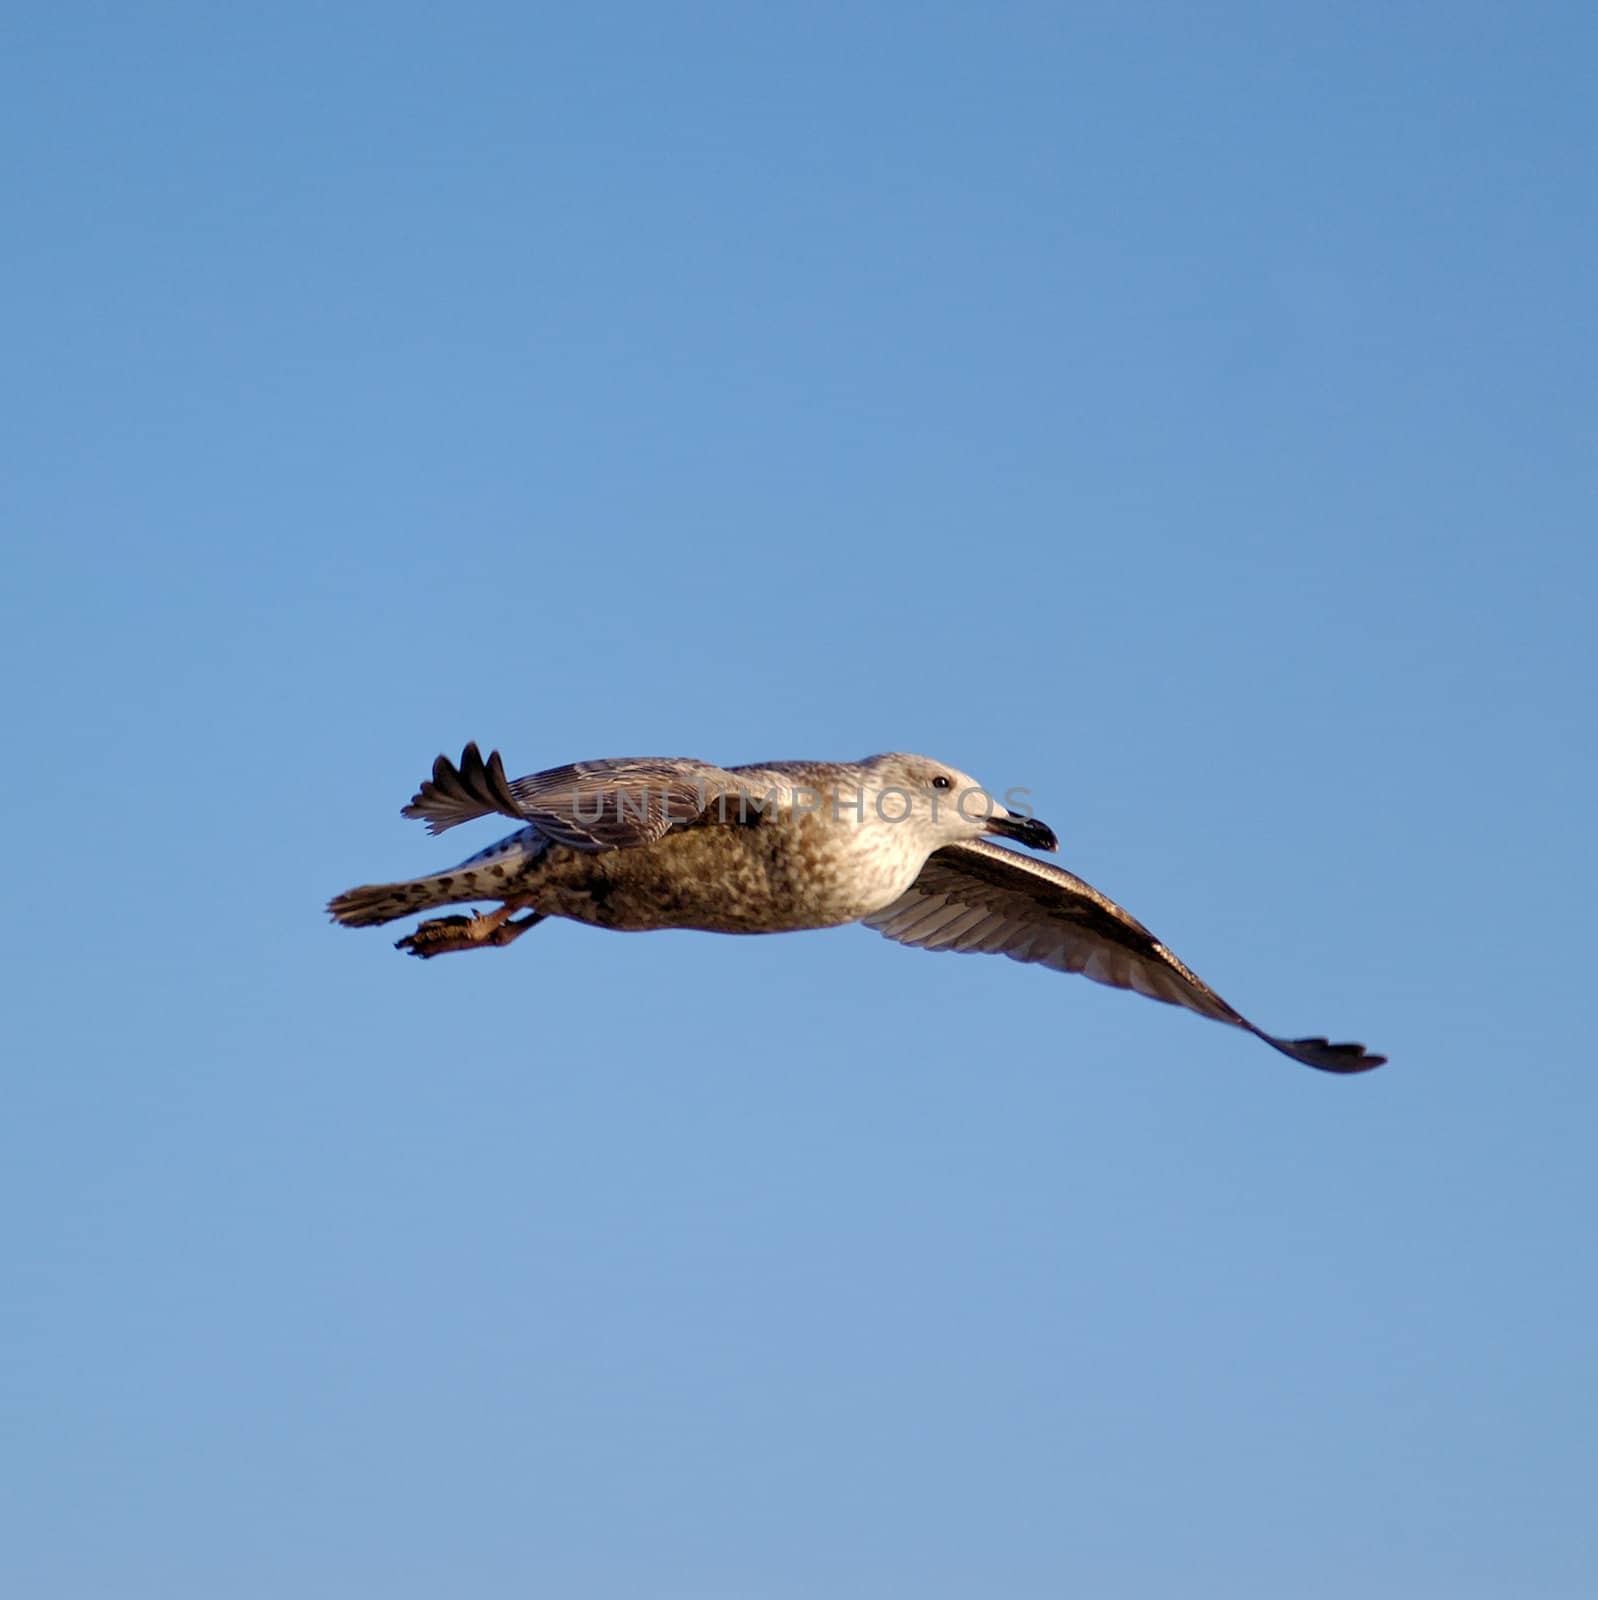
(1186, 413)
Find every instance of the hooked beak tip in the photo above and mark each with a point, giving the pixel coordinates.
(1029, 831)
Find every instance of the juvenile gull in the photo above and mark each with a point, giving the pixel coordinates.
(898, 842)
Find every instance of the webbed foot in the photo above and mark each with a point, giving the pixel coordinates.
(440, 935)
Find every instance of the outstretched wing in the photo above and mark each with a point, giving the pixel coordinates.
(590, 805)
(980, 897)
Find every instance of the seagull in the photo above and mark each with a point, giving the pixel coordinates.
(901, 843)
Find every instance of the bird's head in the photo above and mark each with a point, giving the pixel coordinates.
(945, 805)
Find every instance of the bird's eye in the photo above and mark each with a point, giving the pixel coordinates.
(940, 782)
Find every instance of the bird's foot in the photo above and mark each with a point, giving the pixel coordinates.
(443, 934)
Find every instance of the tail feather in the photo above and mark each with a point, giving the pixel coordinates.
(497, 873)
(374, 903)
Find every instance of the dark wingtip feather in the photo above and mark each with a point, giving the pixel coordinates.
(456, 794)
(1325, 1056)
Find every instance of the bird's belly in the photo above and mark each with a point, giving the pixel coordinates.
(721, 879)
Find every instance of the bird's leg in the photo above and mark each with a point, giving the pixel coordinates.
(443, 934)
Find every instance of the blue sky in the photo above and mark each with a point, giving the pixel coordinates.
(1185, 414)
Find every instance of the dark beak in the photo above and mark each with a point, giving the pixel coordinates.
(1029, 831)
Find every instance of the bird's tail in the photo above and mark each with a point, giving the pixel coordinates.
(490, 875)
(373, 903)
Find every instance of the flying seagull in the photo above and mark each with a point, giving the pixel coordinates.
(898, 842)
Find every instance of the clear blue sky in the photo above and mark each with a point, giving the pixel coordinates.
(1187, 413)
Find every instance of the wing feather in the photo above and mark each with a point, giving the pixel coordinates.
(980, 897)
(590, 805)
